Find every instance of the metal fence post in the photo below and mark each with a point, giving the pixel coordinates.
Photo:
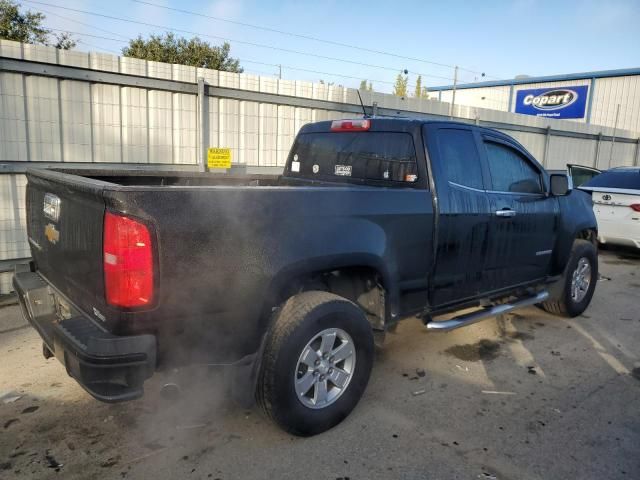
(203, 127)
(592, 91)
(636, 160)
(452, 106)
(25, 100)
(547, 141)
(613, 138)
(597, 158)
(510, 98)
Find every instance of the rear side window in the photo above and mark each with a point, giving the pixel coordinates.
(511, 171)
(625, 179)
(386, 156)
(460, 157)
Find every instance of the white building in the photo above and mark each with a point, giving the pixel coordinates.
(591, 97)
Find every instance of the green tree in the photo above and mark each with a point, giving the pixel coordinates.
(366, 86)
(171, 49)
(21, 27)
(64, 41)
(418, 91)
(400, 87)
(28, 27)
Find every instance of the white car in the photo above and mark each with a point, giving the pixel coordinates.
(616, 203)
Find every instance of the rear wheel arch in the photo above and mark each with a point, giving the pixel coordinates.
(365, 285)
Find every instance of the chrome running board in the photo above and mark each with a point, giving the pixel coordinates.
(477, 316)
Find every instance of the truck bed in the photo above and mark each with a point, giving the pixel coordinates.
(221, 244)
(170, 178)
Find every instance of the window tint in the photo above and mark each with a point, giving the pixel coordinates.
(388, 156)
(626, 179)
(510, 171)
(460, 157)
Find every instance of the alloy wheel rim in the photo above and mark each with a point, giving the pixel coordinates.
(325, 368)
(581, 280)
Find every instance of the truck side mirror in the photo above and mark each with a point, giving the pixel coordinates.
(559, 185)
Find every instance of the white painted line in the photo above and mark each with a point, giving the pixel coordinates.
(606, 356)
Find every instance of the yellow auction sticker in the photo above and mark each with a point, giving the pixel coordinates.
(219, 158)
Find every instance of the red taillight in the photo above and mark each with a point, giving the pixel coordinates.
(128, 262)
(350, 125)
(635, 207)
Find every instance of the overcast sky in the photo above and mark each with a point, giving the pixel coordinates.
(499, 38)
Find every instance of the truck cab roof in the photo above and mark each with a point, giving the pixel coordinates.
(397, 124)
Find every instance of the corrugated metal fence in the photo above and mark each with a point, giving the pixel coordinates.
(78, 109)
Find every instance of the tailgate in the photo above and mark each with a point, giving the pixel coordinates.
(64, 222)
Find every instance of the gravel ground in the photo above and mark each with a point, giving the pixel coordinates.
(526, 395)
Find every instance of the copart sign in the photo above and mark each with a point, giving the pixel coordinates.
(558, 102)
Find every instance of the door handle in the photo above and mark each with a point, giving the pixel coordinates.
(506, 212)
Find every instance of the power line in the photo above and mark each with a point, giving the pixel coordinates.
(243, 60)
(96, 47)
(111, 17)
(307, 37)
(89, 35)
(81, 23)
(372, 80)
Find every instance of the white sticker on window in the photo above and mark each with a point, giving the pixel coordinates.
(343, 170)
(295, 166)
(315, 168)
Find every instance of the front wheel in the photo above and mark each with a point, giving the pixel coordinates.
(317, 361)
(579, 281)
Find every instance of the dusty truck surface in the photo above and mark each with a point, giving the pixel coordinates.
(285, 280)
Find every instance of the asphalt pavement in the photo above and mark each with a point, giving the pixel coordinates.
(524, 396)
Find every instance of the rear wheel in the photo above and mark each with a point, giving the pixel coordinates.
(579, 281)
(317, 361)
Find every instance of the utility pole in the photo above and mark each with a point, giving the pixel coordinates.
(613, 138)
(280, 72)
(453, 98)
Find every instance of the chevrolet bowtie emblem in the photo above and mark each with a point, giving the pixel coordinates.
(51, 233)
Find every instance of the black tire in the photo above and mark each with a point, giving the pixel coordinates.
(299, 320)
(565, 305)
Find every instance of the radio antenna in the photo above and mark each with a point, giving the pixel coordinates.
(364, 110)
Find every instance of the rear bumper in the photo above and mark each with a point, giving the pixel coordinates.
(109, 367)
(619, 233)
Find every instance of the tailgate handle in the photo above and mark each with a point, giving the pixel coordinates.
(506, 212)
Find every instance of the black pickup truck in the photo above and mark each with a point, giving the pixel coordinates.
(286, 279)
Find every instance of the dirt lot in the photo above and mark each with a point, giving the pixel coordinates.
(525, 396)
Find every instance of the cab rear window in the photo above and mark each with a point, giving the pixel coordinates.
(383, 156)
